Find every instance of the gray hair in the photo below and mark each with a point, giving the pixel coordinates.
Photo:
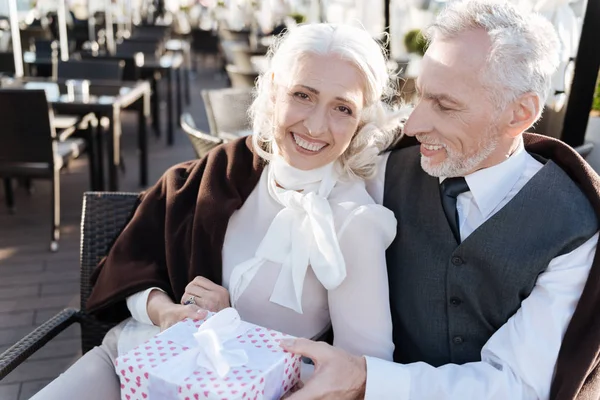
(524, 46)
(378, 124)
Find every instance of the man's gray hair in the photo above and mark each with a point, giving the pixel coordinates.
(524, 46)
(378, 124)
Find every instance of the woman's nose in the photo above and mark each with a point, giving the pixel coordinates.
(316, 122)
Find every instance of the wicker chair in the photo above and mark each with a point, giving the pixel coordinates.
(104, 216)
(201, 142)
(240, 78)
(227, 109)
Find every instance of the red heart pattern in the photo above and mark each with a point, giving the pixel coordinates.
(243, 383)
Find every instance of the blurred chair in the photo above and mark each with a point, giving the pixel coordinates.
(103, 217)
(7, 63)
(585, 149)
(92, 69)
(31, 148)
(204, 43)
(130, 71)
(227, 109)
(201, 142)
(242, 54)
(235, 35)
(150, 32)
(241, 78)
(45, 48)
(31, 33)
(152, 47)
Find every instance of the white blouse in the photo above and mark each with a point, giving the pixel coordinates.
(358, 308)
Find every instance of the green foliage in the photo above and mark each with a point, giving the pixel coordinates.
(596, 104)
(299, 18)
(415, 42)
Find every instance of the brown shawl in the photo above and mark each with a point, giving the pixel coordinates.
(178, 230)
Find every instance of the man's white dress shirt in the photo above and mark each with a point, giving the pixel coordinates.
(518, 361)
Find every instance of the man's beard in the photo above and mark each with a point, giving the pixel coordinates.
(457, 164)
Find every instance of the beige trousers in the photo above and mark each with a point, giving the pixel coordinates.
(92, 377)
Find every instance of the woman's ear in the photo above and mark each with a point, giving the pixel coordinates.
(272, 88)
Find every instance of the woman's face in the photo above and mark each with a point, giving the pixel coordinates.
(317, 110)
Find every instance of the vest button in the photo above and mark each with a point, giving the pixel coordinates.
(456, 260)
(457, 340)
(455, 301)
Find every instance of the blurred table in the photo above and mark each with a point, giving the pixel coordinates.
(106, 99)
(183, 47)
(166, 65)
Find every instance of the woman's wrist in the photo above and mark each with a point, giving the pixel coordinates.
(158, 303)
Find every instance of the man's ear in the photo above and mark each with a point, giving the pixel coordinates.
(525, 110)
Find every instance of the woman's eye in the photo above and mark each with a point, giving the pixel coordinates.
(345, 110)
(301, 96)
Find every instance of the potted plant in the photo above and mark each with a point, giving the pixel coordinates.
(415, 44)
(298, 17)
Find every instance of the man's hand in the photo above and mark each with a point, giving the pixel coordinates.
(206, 294)
(337, 375)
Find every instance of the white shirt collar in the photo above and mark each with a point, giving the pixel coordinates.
(490, 185)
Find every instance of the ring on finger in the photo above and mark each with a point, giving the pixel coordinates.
(191, 300)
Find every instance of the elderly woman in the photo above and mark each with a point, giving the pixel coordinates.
(278, 225)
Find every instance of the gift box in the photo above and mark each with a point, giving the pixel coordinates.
(220, 357)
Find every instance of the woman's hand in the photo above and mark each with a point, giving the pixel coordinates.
(206, 295)
(164, 313)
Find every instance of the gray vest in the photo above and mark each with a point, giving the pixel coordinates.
(448, 299)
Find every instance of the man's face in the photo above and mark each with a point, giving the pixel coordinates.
(454, 120)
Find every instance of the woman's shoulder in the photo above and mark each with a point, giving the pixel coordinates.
(229, 160)
(353, 207)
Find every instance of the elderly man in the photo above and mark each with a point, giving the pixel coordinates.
(495, 241)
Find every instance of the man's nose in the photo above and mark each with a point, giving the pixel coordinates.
(419, 121)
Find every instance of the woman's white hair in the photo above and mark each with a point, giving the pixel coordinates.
(378, 124)
(524, 46)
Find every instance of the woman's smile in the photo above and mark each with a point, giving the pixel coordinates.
(306, 145)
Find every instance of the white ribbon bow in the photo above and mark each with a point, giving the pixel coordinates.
(212, 335)
(301, 234)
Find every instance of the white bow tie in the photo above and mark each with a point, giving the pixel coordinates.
(301, 234)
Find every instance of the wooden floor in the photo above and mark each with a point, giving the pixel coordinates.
(35, 283)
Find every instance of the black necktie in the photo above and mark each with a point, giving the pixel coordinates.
(450, 188)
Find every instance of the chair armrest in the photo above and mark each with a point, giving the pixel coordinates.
(585, 149)
(31, 343)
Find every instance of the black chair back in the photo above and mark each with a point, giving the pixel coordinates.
(7, 63)
(150, 31)
(130, 71)
(205, 42)
(92, 69)
(26, 135)
(103, 217)
(130, 47)
(45, 48)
